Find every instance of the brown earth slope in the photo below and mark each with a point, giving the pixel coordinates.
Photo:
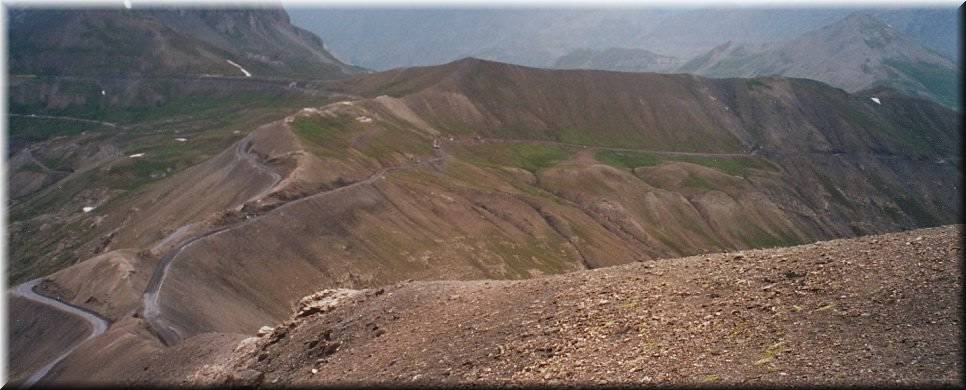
(36, 333)
(512, 189)
(874, 310)
(491, 209)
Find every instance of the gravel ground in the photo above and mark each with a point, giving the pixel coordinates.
(874, 310)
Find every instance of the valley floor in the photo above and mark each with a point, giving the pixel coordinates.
(872, 310)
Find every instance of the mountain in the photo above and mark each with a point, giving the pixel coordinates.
(167, 42)
(856, 53)
(766, 317)
(389, 38)
(617, 59)
(464, 171)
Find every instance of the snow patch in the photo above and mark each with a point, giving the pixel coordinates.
(364, 119)
(876, 100)
(87, 209)
(127, 4)
(103, 92)
(181, 139)
(240, 68)
(309, 111)
(136, 155)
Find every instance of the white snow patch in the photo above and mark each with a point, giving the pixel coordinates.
(309, 111)
(876, 100)
(240, 68)
(346, 103)
(127, 4)
(364, 119)
(136, 155)
(103, 92)
(87, 209)
(181, 139)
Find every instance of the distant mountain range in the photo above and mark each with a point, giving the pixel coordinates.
(185, 178)
(620, 59)
(185, 42)
(388, 38)
(855, 53)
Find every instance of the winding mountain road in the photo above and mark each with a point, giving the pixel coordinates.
(151, 302)
(98, 324)
(151, 298)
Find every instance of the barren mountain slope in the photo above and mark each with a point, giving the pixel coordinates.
(479, 170)
(879, 309)
(873, 310)
(518, 218)
(36, 333)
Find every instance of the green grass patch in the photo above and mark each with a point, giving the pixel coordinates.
(735, 166)
(322, 131)
(34, 129)
(627, 160)
(535, 157)
(697, 182)
(531, 157)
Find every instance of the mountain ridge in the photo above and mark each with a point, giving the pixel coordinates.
(167, 42)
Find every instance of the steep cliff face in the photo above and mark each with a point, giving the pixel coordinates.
(256, 42)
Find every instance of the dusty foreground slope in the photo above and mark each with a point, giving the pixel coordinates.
(878, 309)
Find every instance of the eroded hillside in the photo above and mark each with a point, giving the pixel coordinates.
(878, 310)
(479, 170)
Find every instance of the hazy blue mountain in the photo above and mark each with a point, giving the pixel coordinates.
(855, 53)
(386, 38)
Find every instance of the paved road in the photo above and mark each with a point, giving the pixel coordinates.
(151, 298)
(152, 308)
(98, 324)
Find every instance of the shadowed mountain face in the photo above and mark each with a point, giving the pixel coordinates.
(133, 43)
(856, 53)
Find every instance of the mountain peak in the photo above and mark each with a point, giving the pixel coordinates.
(864, 24)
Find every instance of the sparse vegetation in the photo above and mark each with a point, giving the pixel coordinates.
(941, 82)
(627, 160)
(736, 166)
(532, 157)
(33, 129)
